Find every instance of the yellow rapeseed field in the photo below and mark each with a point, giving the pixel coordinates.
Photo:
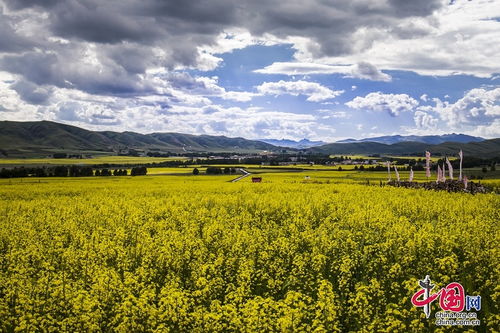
(200, 254)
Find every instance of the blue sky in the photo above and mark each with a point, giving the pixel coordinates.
(237, 73)
(326, 71)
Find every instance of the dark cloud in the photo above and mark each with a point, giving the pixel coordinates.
(332, 24)
(36, 67)
(101, 22)
(63, 70)
(405, 8)
(366, 70)
(150, 21)
(131, 57)
(198, 12)
(409, 31)
(32, 93)
(181, 80)
(22, 4)
(106, 47)
(10, 40)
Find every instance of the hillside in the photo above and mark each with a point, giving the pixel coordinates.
(486, 148)
(24, 138)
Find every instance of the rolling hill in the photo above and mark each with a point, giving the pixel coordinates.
(484, 149)
(27, 138)
(42, 138)
(430, 139)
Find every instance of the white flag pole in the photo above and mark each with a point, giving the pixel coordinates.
(461, 157)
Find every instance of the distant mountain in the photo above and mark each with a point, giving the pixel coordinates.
(46, 137)
(304, 143)
(485, 149)
(25, 138)
(430, 139)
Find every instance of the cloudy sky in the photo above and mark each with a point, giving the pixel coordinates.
(317, 69)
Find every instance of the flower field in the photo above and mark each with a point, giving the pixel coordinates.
(200, 254)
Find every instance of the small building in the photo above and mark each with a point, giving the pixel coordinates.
(256, 179)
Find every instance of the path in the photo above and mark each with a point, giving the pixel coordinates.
(245, 174)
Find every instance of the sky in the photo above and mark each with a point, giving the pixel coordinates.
(318, 69)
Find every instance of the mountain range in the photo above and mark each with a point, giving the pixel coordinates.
(41, 138)
(301, 144)
(28, 138)
(483, 149)
(430, 139)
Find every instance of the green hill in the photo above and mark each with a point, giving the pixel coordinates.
(41, 137)
(46, 137)
(484, 149)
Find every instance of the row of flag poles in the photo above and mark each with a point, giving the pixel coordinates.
(441, 170)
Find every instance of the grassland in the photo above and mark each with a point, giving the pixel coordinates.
(199, 254)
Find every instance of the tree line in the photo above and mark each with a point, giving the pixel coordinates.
(68, 171)
(216, 171)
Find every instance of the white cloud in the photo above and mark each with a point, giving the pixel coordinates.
(377, 101)
(315, 91)
(477, 113)
(182, 83)
(478, 107)
(238, 96)
(12, 107)
(424, 97)
(173, 113)
(361, 70)
(491, 130)
(303, 68)
(331, 114)
(237, 38)
(250, 122)
(424, 120)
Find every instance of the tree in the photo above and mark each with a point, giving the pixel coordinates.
(105, 172)
(340, 168)
(60, 171)
(138, 171)
(213, 170)
(74, 171)
(196, 171)
(485, 170)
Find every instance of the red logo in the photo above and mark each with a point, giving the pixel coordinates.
(451, 297)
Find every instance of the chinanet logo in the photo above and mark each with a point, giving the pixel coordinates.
(452, 301)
